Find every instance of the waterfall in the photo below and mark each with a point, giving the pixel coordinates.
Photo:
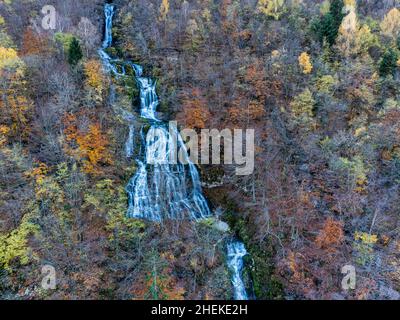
(236, 252)
(161, 189)
(148, 98)
(129, 141)
(109, 13)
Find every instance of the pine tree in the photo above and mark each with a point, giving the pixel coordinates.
(336, 10)
(74, 52)
(328, 27)
(388, 63)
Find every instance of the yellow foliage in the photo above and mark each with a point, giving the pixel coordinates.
(20, 106)
(360, 131)
(305, 63)
(351, 3)
(391, 23)
(275, 53)
(366, 39)
(271, 8)
(348, 33)
(326, 83)
(4, 130)
(15, 113)
(164, 8)
(206, 14)
(366, 238)
(94, 75)
(9, 58)
(324, 8)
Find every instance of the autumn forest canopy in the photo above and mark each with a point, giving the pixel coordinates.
(317, 80)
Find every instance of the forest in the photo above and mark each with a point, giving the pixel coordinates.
(317, 80)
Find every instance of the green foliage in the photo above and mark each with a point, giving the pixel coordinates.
(110, 199)
(302, 109)
(154, 278)
(363, 246)
(389, 105)
(5, 40)
(325, 7)
(14, 245)
(366, 39)
(65, 39)
(74, 52)
(271, 8)
(388, 63)
(327, 27)
(326, 83)
(354, 170)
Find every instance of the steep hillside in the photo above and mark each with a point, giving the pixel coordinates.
(318, 81)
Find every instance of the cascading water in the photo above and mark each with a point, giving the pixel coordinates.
(159, 189)
(236, 252)
(162, 189)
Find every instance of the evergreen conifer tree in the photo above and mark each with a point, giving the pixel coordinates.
(74, 52)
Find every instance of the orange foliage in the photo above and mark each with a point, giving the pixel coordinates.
(250, 104)
(235, 114)
(295, 264)
(331, 236)
(33, 44)
(256, 110)
(195, 112)
(38, 172)
(255, 76)
(228, 18)
(15, 112)
(91, 144)
(163, 286)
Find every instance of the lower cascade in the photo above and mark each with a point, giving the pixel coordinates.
(161, 189)
(236, 252)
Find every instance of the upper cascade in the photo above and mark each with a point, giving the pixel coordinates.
(109, 11)
(159, 189)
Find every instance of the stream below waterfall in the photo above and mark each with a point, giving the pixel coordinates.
(161, 190)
